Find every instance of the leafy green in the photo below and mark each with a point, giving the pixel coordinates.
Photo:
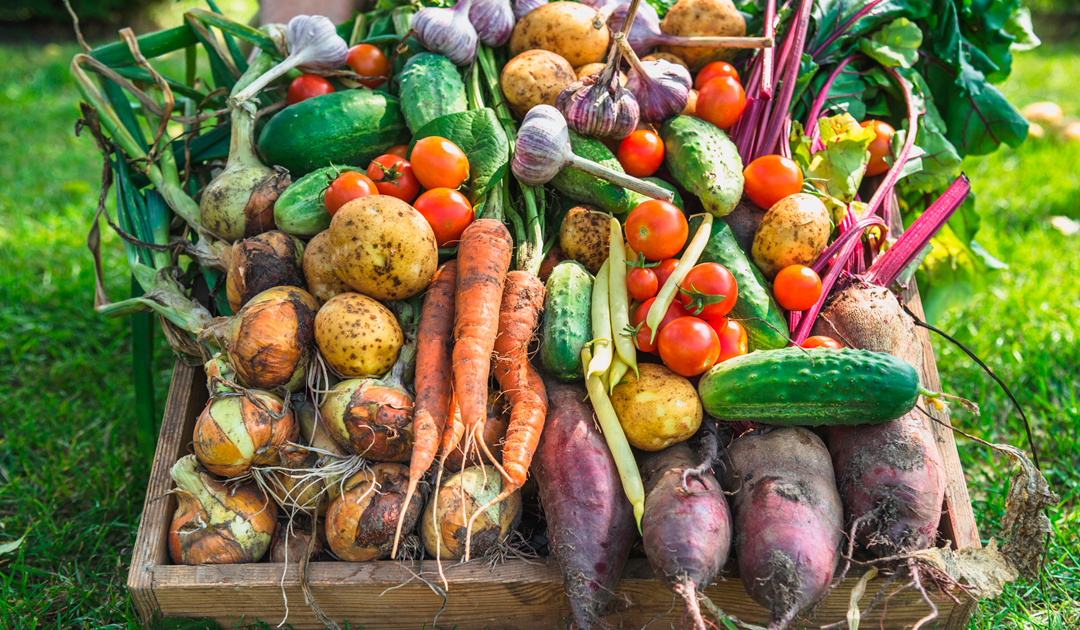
(837, 169)
(897, 44)
(480, 135)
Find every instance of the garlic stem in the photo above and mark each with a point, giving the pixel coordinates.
(622, 179)
(727, 42)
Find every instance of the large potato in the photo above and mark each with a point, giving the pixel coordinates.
(357, 335)
(585, 236)
(793, 232)
(533, 78)
(657, 409)
(322, 282)
(703, 18)
(564, 28)
(383, 248)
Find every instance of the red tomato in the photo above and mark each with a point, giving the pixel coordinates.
(394, 176)
(642, 339)
(721, 101)
(821, 341)
(641, 153)
(732, 335)
(346, 187)
(714, 70)
(797, 288)
(708, 291)
(665, 269)
(641, 283)
(400, 150)
(368, 61)
(448, 211)
(438, 163)
(307, 86)
(879, 148)
(656, 229)
(770, 178)
(688, 346)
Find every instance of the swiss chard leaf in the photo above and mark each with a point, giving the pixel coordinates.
(844, 21)
(840, 165)
(481, 136)
(897, 44)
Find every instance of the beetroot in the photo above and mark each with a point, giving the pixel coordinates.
(788, 518)
(686, 526)
(591, 523)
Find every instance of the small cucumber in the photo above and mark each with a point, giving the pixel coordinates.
(566, 320)
(587, 189)
(430, 87)
(301, 210)
(794, 386)
(704, 161)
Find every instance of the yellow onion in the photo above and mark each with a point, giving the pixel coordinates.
(297, 482)
(270, 341)
(236, 432)
(217, 523)
(448, 512)
(290, 542)
(267, 260)
(371, 418)
(361, 522)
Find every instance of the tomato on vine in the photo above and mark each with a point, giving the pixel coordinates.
(708, 291)
(400, 150)
(447, 211)
(880, 147)
(369, 61)
(347, 186)
(721, 102)
(438, 163)
(641, 283)
(641, 153)
(307, 86)
(797, 287)
(656, 229)
(688, 346)
(770, 178)
(394, 176)
(713, 70)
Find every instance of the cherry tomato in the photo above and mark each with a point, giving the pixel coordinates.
(879, 148)
(665, 269)
(346, 187)
(656, 229)
(821, 341)
(448, 211)
(641, 153)
(641, 283)
(708, 291)
(438, 163)
(400, 150)
(688, 346)
(797, 288)
(368, 61)
(394, 176)
(770, 178)
(713, 70)
(644, 333)
(732, 335)
(721, 101)
(307, 86)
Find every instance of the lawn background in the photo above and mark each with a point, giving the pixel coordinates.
(72, 478)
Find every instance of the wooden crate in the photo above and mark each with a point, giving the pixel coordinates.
(516, 594)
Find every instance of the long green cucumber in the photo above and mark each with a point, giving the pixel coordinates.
(430, 87)
(589, 189)
(566, 320)
(301, 210)
(704, 161)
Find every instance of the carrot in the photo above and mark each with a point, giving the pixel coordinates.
(434, 345)
(522, 302)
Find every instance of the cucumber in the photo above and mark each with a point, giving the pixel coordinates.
(795, 386)
(757, 311)
(704, 161)
(430, 87)
(301, 210)
(584, 188)
(347, 127)
(566, 320)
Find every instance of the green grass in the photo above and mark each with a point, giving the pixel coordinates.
(72, 477)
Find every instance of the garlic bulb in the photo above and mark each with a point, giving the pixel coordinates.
(313, 42)
(493, 21)
(522, 7)
(447, 32)
(661, 88)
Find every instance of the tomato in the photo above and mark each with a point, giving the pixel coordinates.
(641, 283)
(448, 211)
(879, 148)
(708, 291)
(641, 153)
(665, 269)
(656, 229)
(732, 335)
(394, 176)
(346, 187)
(797, 288)
(770, 178)
(721, 101)
(438, 163)
(368, 61)
(688, 346)
(642, 338)
(714, 70)
(821, 341)
(307, 86)
(400, 150)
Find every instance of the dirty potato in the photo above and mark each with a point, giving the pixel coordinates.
(564, 28)
(585, 236)
(322, 282)
(535, 77)
(657, 409)
(703, 18)
(793, 232)
(357, 335)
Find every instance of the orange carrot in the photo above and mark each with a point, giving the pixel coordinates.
(434, 345)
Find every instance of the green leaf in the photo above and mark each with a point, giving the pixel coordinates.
(13, 545)
(1020, 27)
(846, 93)
(842, 162)
(480, 135)
(897, 44)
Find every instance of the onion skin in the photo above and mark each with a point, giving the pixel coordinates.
(286, 548)
(268, 260)
(446, 529)
(360, 523)
(233, 434)
(371, 419)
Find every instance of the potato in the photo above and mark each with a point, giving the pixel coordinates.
(533, 78)
(657, 409)
(691, 104)
(357, 335)
(703, 18)
(596, 68)
(662, 56)
(564, 28)
(585, 236)
(322, 282)
(383, 248)
(793, 232)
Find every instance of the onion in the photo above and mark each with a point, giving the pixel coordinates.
(290, 542)
(371, 418)
(449, 510)
(268, 260)
(360, 523)
(236, 432)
